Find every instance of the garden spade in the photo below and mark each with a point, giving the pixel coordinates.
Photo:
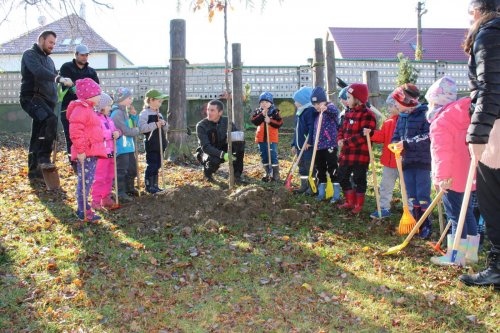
(117, 203)
(329, 187)
(312, 183)
(295, 164)
(269, 164)
(374, 175)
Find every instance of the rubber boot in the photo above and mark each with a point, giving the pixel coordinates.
(350, 199)
(336, 193)
(130, 187)
(321, 192)
(304, 185)
(122, 194)
(426, 228)
(488, 277)
(267, 176)
(360, 201)
(155, 183)
(472, 249)
(276, 173)
(150, 185)
(461, 250)
(445, 260)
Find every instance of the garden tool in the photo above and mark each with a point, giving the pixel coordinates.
(84, 190)
(117, 203)
(312, 183)
(269, 172)
(374, 175)
(463, 209)
(329, 187)
(295, 164)
(396, 249)
(437, 246)
(440, 217)
(160, 136)
(136, 153)
(407, 221)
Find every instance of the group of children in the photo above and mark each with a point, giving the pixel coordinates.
(104, 131)
(431, 137)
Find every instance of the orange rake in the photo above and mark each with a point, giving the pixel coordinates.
(407, 221)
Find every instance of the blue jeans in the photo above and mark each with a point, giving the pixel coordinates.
(452, 203)
(274, 153)
(418, 186)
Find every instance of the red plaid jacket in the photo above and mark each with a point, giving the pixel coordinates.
(355, 149)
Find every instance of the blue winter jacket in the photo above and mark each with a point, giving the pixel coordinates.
(413, 129)
(126, 123)
(304, 126)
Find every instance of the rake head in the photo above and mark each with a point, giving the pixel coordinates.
(406, 223)
(436, 247)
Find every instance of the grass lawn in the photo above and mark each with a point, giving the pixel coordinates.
(201, 258)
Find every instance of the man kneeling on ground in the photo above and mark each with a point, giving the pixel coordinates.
(212, 141)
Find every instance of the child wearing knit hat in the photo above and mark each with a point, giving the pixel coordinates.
(125, 118)
(412, 137)
(354, 156)
(387, 159)
(87, 138)
(268, 114)
(104, 173)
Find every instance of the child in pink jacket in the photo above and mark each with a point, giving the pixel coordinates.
(105, 170)
(449, 120)
(88, 140)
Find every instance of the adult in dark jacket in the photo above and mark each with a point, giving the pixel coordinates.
(212, 140)
(483, 135)
(38, 97)
(76, 69)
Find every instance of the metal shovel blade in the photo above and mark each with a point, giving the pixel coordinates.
(51, 178)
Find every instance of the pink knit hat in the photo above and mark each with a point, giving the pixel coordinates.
(87, 88)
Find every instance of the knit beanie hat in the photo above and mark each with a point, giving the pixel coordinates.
(359, 91)
(105, 101)
(303, 95)
(406, 95)
(87, 88)
(343, 93)
(266, 96)
(390, 102)
(442, 92)
(122, 94)
(318, 95)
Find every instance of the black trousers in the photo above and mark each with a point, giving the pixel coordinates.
(43, 129)
(326, 161)
(212, 163)
(153, 160)
(358, 176)
(488, 195)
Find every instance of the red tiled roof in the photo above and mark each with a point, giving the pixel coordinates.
(386, 43)
(70, 28)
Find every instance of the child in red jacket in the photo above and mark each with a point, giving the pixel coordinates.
(388, 160)
(88, 140)
(268, 114)
(354, 156)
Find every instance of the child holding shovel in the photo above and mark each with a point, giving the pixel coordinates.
(449, 120)
(125, 118)
(326, 155)
(354, 156)
(268, 120)
(412, 138)
(88, 144)
(154, 128)
(387, 159)
(104, 173)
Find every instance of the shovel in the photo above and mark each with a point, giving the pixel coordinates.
(160, 136)
(84, 190)
(51, 176)
(396, 249)
(463, 209)
(288, 181)
(312, 183)
(329, 187)
(136, 153)
(407, 221)
(117, 203)
(374, 175)
(437, 246)
(269, 165)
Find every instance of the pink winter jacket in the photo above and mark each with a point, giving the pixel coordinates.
(85, 130)
(449, 150)
(108, 127)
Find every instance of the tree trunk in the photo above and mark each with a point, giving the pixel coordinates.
(319, 64)
(177, 104)
(331, 76)
(229, 104)
(371, 80)
(237, 87)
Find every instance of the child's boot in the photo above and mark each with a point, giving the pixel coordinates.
(472, 249)
(107, 202)
(267, 175)
(321, 191)
(122, 194)
(360, 201)
(276, 173)
(426, 228)
(150, 185)
(155, 180)
(304, 185)
(445, 260)
(350, 199)
(130, 188)
(336, 193)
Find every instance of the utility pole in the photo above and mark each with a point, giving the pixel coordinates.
(420, 12)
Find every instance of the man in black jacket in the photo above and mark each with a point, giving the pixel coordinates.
(76, 69)
(38, 97)
(212, 140)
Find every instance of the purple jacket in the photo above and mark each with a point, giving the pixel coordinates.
(329, 127)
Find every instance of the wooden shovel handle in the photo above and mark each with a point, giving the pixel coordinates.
(316, 140)
(374, 175)
(427, 212)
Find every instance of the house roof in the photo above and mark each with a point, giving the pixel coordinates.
(386, 43)
(71, 31)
